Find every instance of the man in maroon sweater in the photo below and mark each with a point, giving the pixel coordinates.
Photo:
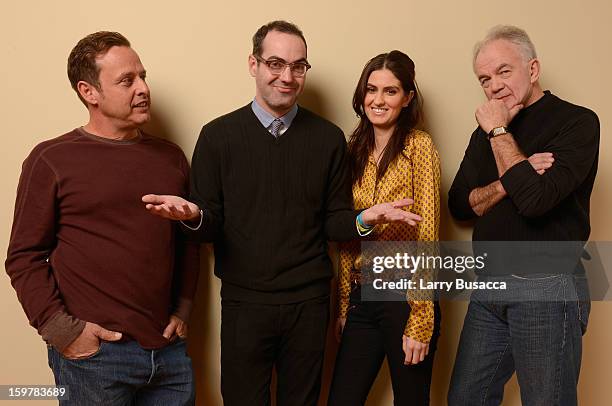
(107, 286)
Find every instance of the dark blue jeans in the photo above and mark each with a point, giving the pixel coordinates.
(535, 328)
(124, 373)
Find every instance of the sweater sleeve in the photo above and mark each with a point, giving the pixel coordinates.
(426, 184)
(575, 151)
(33, 238)
(465, 181)
(339, 216)
(185, 277)
(206, 188)
(187, 267)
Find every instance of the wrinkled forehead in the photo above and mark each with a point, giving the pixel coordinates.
(496, 53)
(283, 45)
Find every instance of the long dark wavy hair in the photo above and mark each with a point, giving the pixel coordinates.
(362, 143)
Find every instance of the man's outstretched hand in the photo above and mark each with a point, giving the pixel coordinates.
(390, 213)
(171, 207)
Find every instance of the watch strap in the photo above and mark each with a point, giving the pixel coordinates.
(497, 131)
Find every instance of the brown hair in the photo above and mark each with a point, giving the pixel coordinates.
(278, 25)
(362, 143)
(82, 64)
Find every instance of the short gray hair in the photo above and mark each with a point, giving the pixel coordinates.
(512, 34)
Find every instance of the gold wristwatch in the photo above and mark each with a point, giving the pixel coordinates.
(497, 131)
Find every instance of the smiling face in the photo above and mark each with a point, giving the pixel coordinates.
(384, 99)
(277, 94)
(505, 73)
(122, 100)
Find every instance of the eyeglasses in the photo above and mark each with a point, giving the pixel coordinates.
(277, 66)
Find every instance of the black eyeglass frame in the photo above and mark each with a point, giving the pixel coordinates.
(279, 71)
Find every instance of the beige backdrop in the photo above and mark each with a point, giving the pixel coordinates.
(196, 56)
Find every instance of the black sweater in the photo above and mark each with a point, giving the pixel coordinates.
(549, 207)
(270, 205)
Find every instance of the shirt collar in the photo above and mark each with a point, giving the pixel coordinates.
(266, 118)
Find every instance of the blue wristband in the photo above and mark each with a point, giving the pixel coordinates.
(360, 221)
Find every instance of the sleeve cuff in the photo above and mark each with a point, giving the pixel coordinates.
(421, 321)
(182, 309)
(61, 330)
(199, 224)
(459, 204)
(362, 229)
(514, 178)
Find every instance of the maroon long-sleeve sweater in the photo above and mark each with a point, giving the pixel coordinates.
(83, 247)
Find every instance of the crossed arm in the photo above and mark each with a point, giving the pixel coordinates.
(507, 154)
(482, 199)
(569, 159)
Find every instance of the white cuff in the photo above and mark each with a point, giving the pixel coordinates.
(362, 231)
(199, 224)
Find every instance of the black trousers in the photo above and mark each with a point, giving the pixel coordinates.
(372, 331)
(257, 337)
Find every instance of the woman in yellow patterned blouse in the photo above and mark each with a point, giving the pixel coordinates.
(390, 160)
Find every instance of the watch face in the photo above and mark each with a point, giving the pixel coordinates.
(499, 131)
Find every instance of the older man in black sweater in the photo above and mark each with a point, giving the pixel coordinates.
(527, 175)
(270, 187)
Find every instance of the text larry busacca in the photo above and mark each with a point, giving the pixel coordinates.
(412, 263)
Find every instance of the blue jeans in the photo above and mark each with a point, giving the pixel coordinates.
(124, 373)
(535, 328)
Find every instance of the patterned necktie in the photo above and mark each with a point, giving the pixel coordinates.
(276, 126)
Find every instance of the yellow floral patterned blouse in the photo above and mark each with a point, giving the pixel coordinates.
(416, 175)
